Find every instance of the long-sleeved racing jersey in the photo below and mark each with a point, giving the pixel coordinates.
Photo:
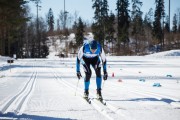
(85, 51)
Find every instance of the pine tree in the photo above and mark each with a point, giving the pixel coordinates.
(174, 28)
(105, 8)
(79, 32)
(167, 34)
(148, 19)
(50, 21)
(105, 18)
(137, 23)
(157, 27)
(12, 18)
(167, 27)
(97, 13)
(123, 22)
(99, 27)
(110, 27)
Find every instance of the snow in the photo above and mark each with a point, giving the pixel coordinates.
(72, 36)
(167, 53)
(44, 89)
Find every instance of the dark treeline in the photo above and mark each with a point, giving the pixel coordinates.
(19, 34)
(125, 32)
(128, 33)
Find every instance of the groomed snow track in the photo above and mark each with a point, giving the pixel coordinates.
(17, 103)
(108, 110)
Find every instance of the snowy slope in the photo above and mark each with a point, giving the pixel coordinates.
(44, 89)
(167, 53)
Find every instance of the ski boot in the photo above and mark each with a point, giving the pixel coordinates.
(86, 94)
(99, 95)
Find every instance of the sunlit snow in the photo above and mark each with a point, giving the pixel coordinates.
(138, 88)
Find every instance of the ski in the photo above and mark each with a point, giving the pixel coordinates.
(101, 101)
(88, 100)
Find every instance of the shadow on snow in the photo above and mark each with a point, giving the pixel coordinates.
(147, 99)
(31, 117)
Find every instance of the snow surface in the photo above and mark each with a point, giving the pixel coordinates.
(48, 89)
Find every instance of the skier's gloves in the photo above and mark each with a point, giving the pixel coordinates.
(79, 75)
(105, 75)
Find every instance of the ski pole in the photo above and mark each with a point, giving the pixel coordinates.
(77, 86)
(103, 84)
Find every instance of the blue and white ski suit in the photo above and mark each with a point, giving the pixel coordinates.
(87, 58)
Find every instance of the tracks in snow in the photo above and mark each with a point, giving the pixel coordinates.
(17, 103)
(172, 100)
(148, 93)
(107, 110)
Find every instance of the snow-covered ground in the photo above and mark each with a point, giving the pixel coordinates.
(44, 89)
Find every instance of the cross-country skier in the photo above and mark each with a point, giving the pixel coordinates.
(91, 54)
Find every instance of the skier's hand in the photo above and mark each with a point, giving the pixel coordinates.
(79, 75)
(105, 75)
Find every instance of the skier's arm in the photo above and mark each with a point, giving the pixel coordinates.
(79, 56)
(103, 58)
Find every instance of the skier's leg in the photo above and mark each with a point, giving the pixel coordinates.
(87, 80)
(97, 68)
(98, 78)
(86, 84)
(88, 73)
(98, 82)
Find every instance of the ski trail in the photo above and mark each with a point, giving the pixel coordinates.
(16, 103)
(106, 111)
(147, 93)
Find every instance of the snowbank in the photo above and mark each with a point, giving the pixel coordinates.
(166, 53)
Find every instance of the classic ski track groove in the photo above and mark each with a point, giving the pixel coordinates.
(15, 104)
(105, 110)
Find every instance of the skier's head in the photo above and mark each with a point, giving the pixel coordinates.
(89, 36)
(93, 46)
